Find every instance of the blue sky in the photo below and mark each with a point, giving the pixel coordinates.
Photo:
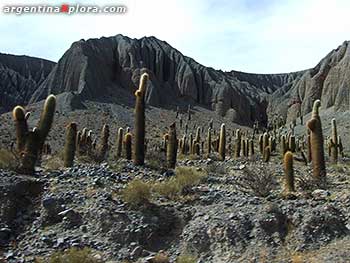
(260, 36)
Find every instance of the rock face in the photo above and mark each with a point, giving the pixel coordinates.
(107, 67)
(20, 76)
(328, 81)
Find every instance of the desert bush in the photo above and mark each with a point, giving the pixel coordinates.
(216, 168)
(169, 188)
(137, 192)
(160, 258)
(8, 160)
(186, 258)
(54, 162)
(72, 255)
(259, 182)
(185, 178)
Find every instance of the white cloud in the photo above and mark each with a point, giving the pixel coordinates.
(247, 35)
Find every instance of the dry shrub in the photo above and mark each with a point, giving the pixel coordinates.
(72, 255)
(8, 160)
(185, 178)
(137, 193)
(259, 182)
(186, 258)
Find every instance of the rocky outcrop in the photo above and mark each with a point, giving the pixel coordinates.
(101, 68)
(328, 81)
(20, 76)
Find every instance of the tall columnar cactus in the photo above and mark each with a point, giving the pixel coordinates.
(238, 143)
(46, 119)
(243, 147)
(103, 147)
(30, 143)
(172, 147)
(261, 145)
(317, 149)
(120, 142)
(139, 141)
(222, 142)
(209, 142)
(340, 146)
(128, 145)
(265, 140)
(288, 172)
(334, 142)
(70, 144)
(251, 147)
(211, 124)
(308, 138)
(19, 116)
(284, 147)
(292, 143)
(189, 113)
(198, 134)
(267, 154)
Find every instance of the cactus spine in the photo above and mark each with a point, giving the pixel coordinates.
(70, 144)
(222, 142)
(317, 149)
(172, 147)
(288, 172)
(139, 143)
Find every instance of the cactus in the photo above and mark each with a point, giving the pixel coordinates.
(265, 141)
(128, 145)
(30, 143)
(340, 146)
(292, 143)
(334, 142)
(267, 154)
(198, 135)
(251, 147)
(308, 138)
(139, 143)
(243, 147)
(172, 147)
(70, 144)
(196, 149)
(209, 142)
(238, 143)
(222, 142)
(284, 147)
(103, 147)
(288, 172)
(46, 119)
(120, 142)
(317, 149)
(261, 145)
(189, 113)
(19, 116)
(211, 124)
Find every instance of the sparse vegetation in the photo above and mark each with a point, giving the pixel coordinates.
(137, 193)
(8, 160)
(72, 255)
(258, 182)
(186, 258)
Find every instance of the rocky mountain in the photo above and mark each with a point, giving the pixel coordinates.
(20, 76)
(329, 81)
(107, 67)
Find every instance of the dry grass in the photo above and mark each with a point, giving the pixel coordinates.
(8, 160)
(186, 258)
(137, 193)
(185, 178)
(72, 255)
